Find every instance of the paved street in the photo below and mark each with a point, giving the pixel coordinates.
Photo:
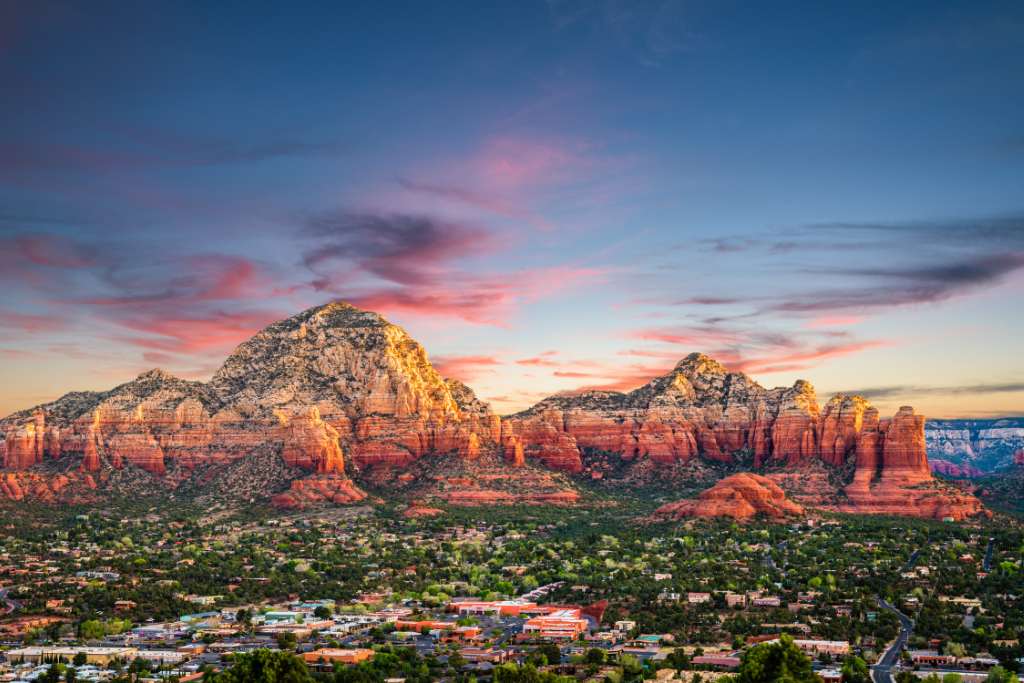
(882, 672)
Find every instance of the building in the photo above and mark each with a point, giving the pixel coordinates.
(717, 662)
(341, 656)
(767, 601)
(490, 655)
(931, 658)
(563, 623)
(698, 598)
(835, 648)
(505, 608)
(831, 675)
(101, 656)
(735, 599)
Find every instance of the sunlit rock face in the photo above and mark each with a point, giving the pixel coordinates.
(740, 496)
(336, 391)
(697, 410)
(330, 389)
(701, 410)
(893, 475)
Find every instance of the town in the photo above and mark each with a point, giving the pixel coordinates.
(387, 594)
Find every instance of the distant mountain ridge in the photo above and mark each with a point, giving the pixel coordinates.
(982, 445)
(336, 398)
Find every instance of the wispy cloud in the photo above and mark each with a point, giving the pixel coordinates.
(133, 151)
(908, 390)
(405, 249)
(465, 368)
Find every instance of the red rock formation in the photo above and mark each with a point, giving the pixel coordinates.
(319, 489)
(740, 496)
(310, 443)
(329, 382)
(954, 470)
(416, 510)
(698, 410)
(893, 476)
(336, 390)
(1018, 458)
(840, 426)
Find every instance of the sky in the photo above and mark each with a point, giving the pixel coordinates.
(548, 195)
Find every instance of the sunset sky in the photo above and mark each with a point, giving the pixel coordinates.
(547, 195)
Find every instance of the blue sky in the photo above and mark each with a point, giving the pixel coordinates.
(549, 195)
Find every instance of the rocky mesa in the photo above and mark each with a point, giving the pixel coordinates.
(337, 395)
(701, 410)
(332, 390)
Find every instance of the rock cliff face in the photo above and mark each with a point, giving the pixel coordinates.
(740, 496)
(332, 389)
(701, 410)
(698, 410)
(951, 469)
(1018, 458)
(892, 474)
(338, 393)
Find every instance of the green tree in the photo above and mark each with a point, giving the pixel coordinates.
(286, 640)
(955, 649)
(780, 662)
(632, 669)
(456, 660)
(322, 612)
(265, 666)
(552, 653)
(80, 659)
(91, 629)
(678, 659)
(855, 670)
(1000, 675)
(53, 675)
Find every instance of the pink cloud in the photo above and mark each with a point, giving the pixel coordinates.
(804, 359)
(543, 360)
(31, 323)
(513, 162)
(835, 321)
(191, 334)
(52, 250)
(622, 378)
(464, 368)
(477, 299)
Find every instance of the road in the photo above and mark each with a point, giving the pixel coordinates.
(882, 671)
(987, 564)
(12, 605)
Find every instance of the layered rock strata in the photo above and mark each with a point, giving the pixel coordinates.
(701, 410)
(330, 387)
(741, 496)
(338, 392)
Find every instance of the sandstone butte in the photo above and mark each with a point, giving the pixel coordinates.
(740, 496)
(339, 393)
